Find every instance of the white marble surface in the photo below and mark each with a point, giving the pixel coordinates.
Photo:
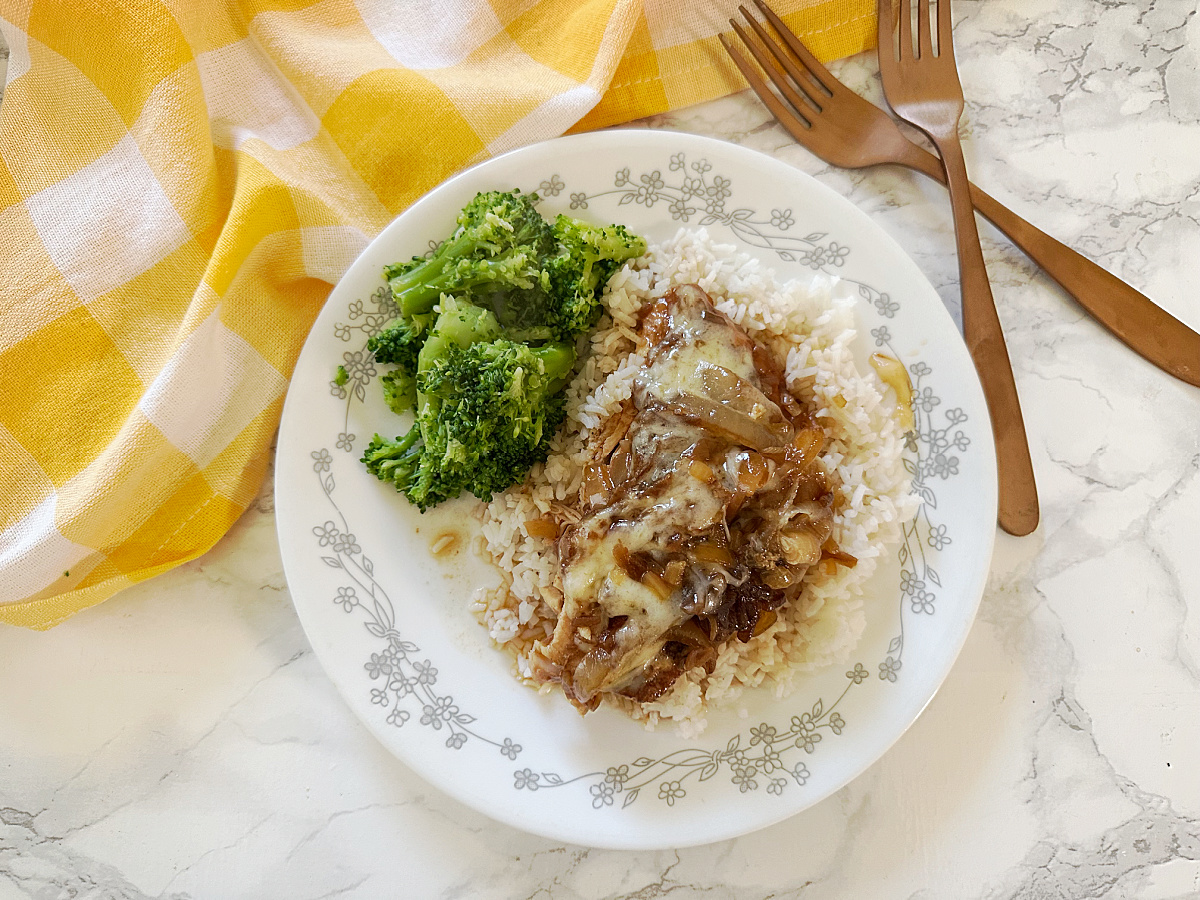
(181, 740)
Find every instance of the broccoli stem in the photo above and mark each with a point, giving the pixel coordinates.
(413, 288)
(420, 298)
(461, 279)
(558, 359)
(394, 460)
(458, 325)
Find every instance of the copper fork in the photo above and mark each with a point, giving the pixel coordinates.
(852, 136)
(842, 128)
(923, 88)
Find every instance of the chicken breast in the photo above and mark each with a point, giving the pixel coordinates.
(698, 520)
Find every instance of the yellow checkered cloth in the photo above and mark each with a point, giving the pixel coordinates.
(182, 181)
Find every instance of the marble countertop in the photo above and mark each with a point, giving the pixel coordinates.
(181, 740)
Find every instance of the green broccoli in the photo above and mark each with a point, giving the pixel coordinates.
(397, 460)
(486, 413)
(484, 344)
(400, 341)
(587, 258)
(500, 246)
(454, 324)
(457, 325)
(399, 390)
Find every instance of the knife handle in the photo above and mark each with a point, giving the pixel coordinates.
(1017, 511)
(1130, 315)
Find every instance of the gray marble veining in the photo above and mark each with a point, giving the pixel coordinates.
(182, 741)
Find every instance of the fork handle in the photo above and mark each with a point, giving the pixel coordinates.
(1018, 511)
(1126, 312)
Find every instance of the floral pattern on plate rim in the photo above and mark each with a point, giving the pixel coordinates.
(404, 685)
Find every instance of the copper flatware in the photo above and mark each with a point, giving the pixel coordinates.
(847, 135)
(842, 128)
(923, 88)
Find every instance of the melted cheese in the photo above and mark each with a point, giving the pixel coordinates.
(670, 500)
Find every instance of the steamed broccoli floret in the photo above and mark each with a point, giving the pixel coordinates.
(403, 342)
(400, 341)
(500, 245)
(485, 344)
(486, 414)
(394, 460)
(457, 325)
(399, 390)
(587, 258)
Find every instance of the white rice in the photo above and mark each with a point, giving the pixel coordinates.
(813, 331)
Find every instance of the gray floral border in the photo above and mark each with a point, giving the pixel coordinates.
(932, 448)
(766, 751)
(694, 197)
(769, 752)
(366, 318)
(402, 683)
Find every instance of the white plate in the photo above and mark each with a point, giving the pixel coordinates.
(390, 623)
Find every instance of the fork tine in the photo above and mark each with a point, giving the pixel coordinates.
(805, 105)
(816, 71)
(885, 15)
(789, 118)
(924, 39)
(906, 44)
(945, 28)
(886, 21)
(804, 84)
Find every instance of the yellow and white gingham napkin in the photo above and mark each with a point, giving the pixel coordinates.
(182, 181)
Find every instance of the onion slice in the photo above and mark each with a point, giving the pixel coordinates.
(891, 372)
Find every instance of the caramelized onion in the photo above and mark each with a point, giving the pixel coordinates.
(615, 428)
(702, 592)
(813, 509)
(770, 374)
(808, 442)
(621, 555)
(752, 471)
(621, 463)
(655, 322)
(657, 583)
(735, 505)
(891, 372)
(543, 527)
(712, 553)
(689, 632)
(637, 564)
(731, 389)
(765, 620)
(781, 577)
(800, 546)
(723, 420)
(830, 550)
(589, 675)
(597, 486)
(701, 658)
